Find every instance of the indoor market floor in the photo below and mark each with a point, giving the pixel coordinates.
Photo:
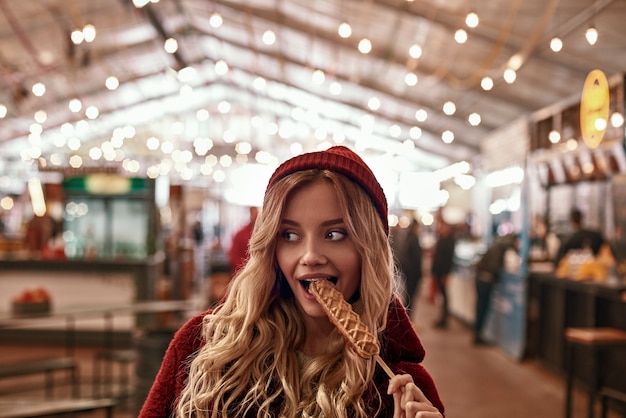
(474, 382)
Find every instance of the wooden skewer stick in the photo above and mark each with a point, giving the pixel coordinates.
(384, 366)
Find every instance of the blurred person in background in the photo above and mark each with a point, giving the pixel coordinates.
(38, 232)
(580, 237)
(443, 260)
(488, 269)
(197, 231)
(411, 264)
(238, 253)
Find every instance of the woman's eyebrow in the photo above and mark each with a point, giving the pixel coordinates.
(329, 222)
(332, 222)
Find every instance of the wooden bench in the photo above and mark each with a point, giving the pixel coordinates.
(30, 409)
(47, 366)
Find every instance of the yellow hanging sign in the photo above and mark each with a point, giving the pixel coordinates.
(594, 108)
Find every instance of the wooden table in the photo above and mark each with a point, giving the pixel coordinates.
(19, 367)
(31, 408)
(8, 320)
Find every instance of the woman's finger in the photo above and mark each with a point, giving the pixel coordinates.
(397, 389)
(397, 382)
(416, 394)
(409, 400)
(420, 410)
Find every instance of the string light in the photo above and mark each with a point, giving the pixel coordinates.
(415, 132)
(259, 83)
(592, 35)
(318, 77)
(471, 20)
(335, 88)
(39, 89)
(112, 83)
(269, 37)
(509, 75)
(373, 103)
(171, 45)
(89, 33)
(600, 124)
(460, 36)
(75, 105)
(556, 44)
(216, 20)
(221, 67)
(447, 137)
(486, 83)
(410, 79)
(421, 115)
(344, 30)
(554, 136)
(365, 46)
(617, 119)
(415, 51)
(474, 119)
(92, 112)
(449, 108)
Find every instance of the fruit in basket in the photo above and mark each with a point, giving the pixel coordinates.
(32, 301)
(33, 296)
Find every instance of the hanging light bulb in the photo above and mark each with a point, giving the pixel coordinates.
(486, 83)
(509, 75)
(460, 36)
(592, 35)
(471, 20)
(344, 30)
(556, 44)
(617, 119)
(554, 136)
(365, 46)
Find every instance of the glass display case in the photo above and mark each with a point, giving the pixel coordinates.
(112, 218)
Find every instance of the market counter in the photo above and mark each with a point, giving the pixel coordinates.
(80, 283)
(555, 304)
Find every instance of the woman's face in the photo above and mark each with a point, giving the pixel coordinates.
(313, 243)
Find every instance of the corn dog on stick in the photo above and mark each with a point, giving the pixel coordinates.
(347, 322)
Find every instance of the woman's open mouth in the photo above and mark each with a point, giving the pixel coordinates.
(307, 283)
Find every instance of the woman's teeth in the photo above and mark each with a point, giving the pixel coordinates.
(307, 283)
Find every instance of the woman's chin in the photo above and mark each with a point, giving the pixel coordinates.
(310, 306)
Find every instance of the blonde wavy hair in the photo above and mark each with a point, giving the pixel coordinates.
(249, 365)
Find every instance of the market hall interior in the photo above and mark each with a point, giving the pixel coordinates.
(127, 168)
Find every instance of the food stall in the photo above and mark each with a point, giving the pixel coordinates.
(584, 289)
(107, 253)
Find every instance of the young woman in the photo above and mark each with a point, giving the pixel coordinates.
(269, 350)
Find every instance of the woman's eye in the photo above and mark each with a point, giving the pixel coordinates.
(289, 236)
(336, 235)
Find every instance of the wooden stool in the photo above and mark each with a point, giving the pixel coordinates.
(596, 339)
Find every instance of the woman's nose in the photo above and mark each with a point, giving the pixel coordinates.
(313, 253)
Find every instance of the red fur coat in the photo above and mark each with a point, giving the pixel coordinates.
(400, 348)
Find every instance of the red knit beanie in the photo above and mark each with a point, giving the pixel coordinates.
(341, 160)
